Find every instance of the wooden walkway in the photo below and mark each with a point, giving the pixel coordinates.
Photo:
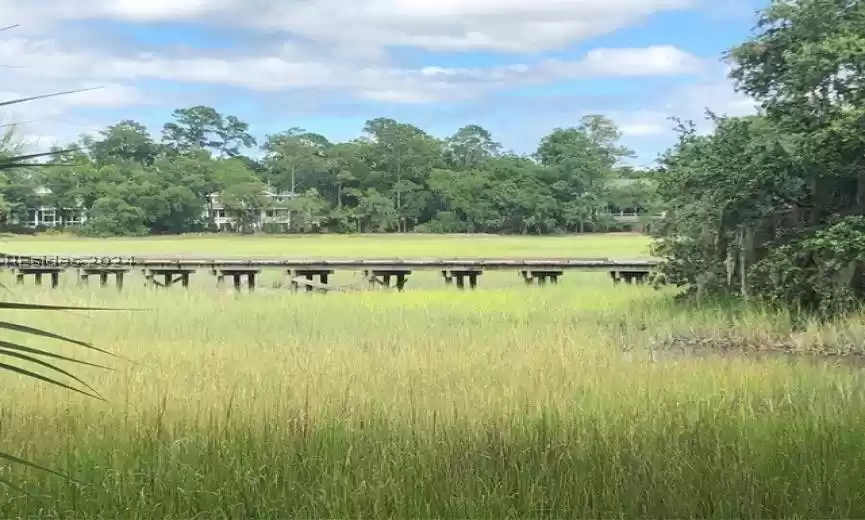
(168, 271)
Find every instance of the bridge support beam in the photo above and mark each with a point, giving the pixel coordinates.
(170, 275)
(629, 277)
(37, 272)
(541, 277)
(383, 277)
(310, 274)
(103, 273)
(460, 276)
(237, 274)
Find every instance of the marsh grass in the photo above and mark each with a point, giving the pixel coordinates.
(618, 245)
(505, 402)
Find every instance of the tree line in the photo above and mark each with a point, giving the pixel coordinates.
(771, 207)
(393, 178)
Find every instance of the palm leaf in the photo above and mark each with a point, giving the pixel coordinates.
(36, 375)
(17, 460)
(14, 346)
(25, 354)
(45, 334)
(41, 307)
(45, 96)
(19, 160)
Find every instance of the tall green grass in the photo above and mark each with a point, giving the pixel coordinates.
(504, 402)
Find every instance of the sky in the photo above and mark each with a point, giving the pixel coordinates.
(519, 68)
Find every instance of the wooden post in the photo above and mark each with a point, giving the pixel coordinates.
(461, 276)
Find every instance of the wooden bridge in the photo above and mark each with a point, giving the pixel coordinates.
(313, 274)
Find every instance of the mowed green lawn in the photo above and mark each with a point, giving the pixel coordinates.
(506, 402)
(624, 245)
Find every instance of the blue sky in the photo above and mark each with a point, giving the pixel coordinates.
(517, 67)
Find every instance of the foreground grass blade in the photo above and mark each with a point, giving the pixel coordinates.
(17, 460)
(45, 334)
(30, 359)
(14, 346)
(40, 307)
(12, 486)
(25, 372)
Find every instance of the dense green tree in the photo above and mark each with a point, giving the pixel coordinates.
(772, 206)
(202, 127)
(124, 141)
(394, 177)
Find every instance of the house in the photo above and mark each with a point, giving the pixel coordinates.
(275, 214)
(627, 215)
(51, 217)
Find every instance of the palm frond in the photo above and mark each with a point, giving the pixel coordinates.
(30, 355)
(41, 307)
(36, 375)
(45, 334)
(45, 96)
(17, 460)
(20, 161)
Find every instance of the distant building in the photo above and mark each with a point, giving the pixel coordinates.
(636, 217)
(51, 217)
(276, 214)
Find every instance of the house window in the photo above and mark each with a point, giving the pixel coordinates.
(48, 217)
(72, 216)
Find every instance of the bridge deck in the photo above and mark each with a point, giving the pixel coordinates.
(589, 264)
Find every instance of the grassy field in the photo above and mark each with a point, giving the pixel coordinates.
(505, 402)
(621, 245)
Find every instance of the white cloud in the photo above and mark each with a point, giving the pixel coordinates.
(337, 46)
(502, 25)
(642, 129)
(290, 68)
(656, 60)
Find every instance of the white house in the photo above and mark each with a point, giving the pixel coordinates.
(49, 216)
(276, 214)
(214, 211)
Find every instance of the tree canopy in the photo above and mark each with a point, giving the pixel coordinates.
(394, 177)
(772, 206)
